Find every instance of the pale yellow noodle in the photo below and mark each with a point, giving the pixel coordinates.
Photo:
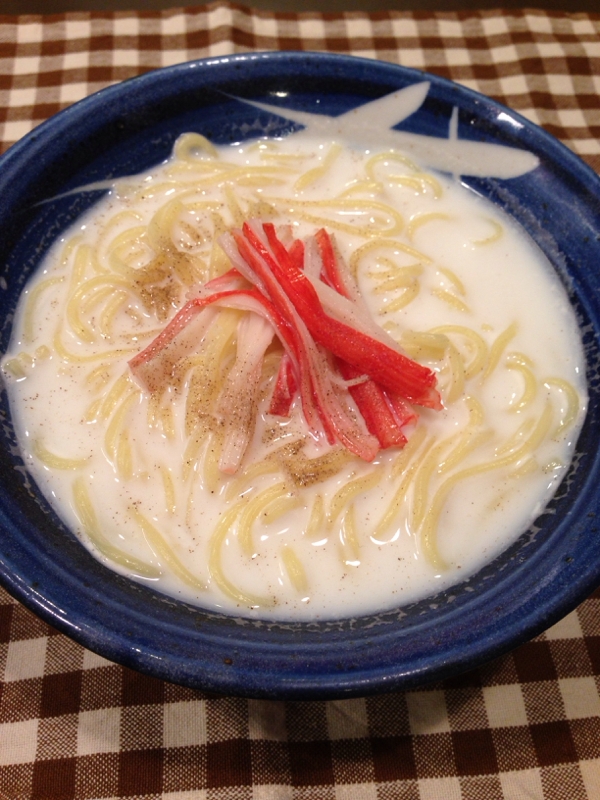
(124, 457)
(116, 221)
(192, 268)
(360, 187)
(529, 466)
(466, 440)
(253, 509)
(237, 215)
(83, 261)
(89, 522)
(402, 278)
(109, 312)
(350, 544)
(451, 300)
(457, 375)
(430, 521)
(471, 440)
(127, 249)
(69, 248)
(383, 219)
(51, 460)
(424, 219)
(26, 359)
(16, 368)
(572, 399)
(167, 421)
(495, 236)
(393, 511)
(160, 227)
(31, 306)
(351, 489)
(80, 302)
(161, 190)
(91, 412)
(190, 501)
(407, 296)
(259, 208)
(553, 464)
(153, 413)
(210, 465)
(218, 262)
(424, 345)
(447, 454)
(430, 459)
(398, 279)
(516, 438)
(95, 297)
(523, 365)
(420, 183)
(115, 395)
(388, 268)
(206, 379)
(283, 158)
(249, 176)
(402, 459)
(385, 244)
(164, 552)
(190, 235)
(196, 173)
(116, 427)
(169, 487)
(316, 522)
(386, 157)
(21, 364)
(417, 180)
(454, 280)
(476, 342)
(294, 568)
(278, 507)
(68, 355)
(498, 347)
(190, 456)
(245, 481)
(315, 174)
(223, 529)
(475, 411)
(138, 319)
(188, 145)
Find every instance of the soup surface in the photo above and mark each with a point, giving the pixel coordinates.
(145, 411)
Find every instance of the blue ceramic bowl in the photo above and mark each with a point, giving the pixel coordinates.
(545, 574)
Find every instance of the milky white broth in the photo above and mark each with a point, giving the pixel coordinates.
(497, 278)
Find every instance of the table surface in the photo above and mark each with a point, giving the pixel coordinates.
(73, 725)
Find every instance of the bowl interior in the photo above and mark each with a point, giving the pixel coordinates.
(131, 127)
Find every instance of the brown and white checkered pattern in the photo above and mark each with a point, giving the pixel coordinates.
(526, 727)
(547, 66)
(73, 725)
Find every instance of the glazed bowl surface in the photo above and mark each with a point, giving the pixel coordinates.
(131, 127)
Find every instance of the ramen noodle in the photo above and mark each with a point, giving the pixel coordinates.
(135, 435)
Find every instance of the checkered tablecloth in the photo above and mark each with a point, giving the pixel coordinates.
(524, 727)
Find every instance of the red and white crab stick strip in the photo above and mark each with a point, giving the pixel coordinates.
(327, 360)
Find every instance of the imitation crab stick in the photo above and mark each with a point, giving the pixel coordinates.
(320, 388)
(385, 415)
(386, 365)
(355, 387)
